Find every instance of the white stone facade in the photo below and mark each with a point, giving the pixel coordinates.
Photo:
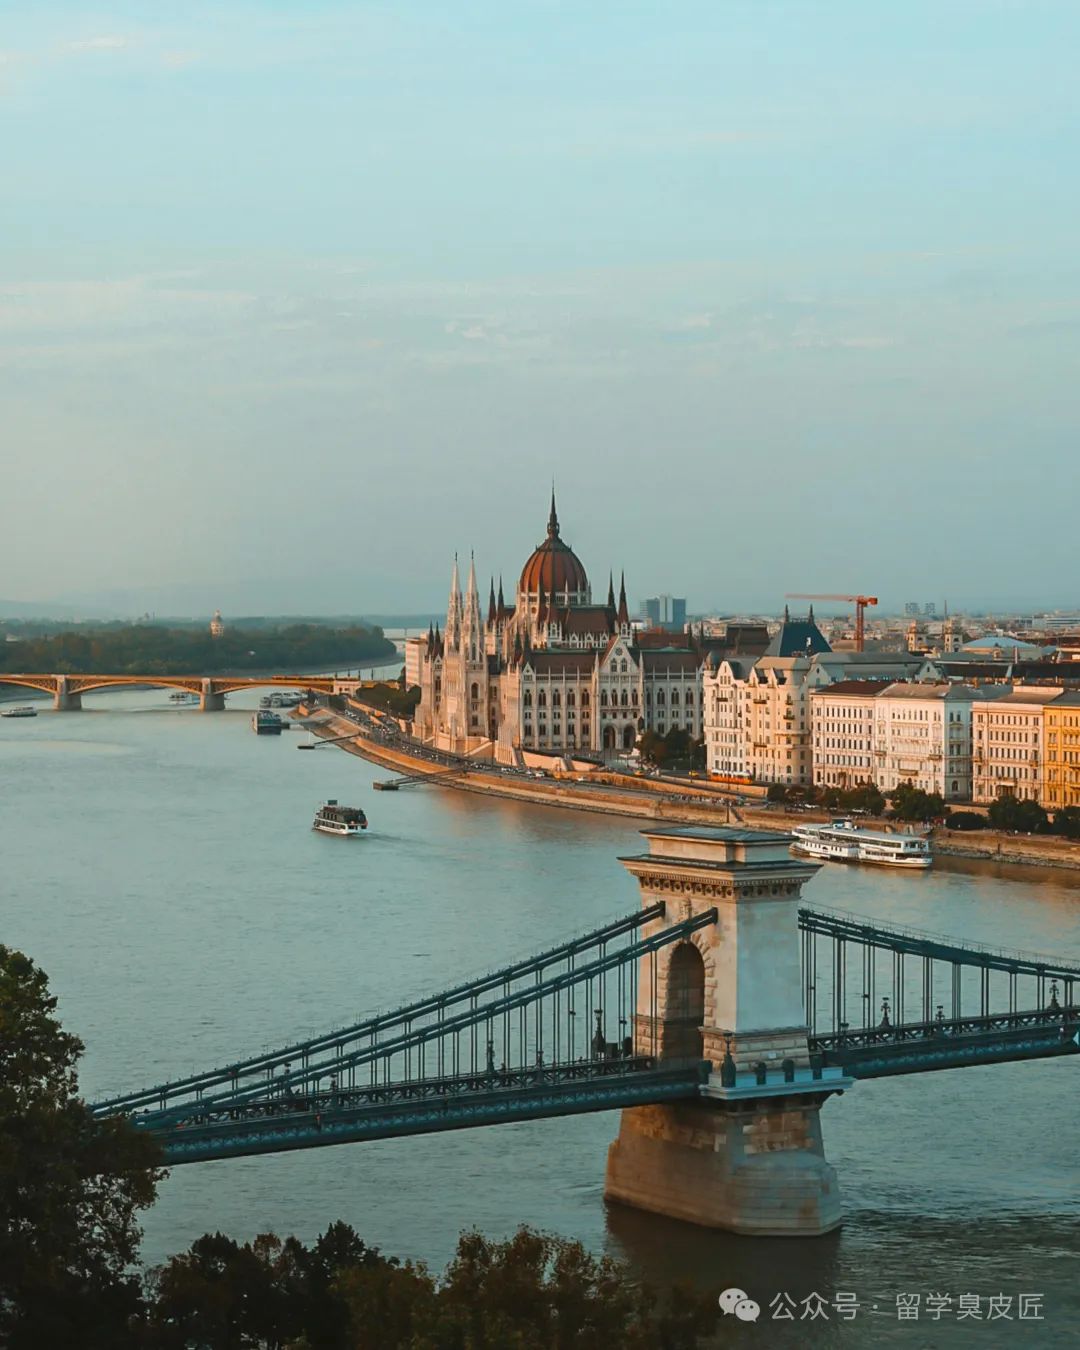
(1007, 744)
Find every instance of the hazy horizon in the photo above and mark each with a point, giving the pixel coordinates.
(297, 302)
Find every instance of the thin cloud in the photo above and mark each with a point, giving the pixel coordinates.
(112, 42)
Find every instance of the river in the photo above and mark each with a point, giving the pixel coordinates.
(158, 863)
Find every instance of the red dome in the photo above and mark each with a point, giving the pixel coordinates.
(553, 565)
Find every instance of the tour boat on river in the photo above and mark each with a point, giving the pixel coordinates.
(25, 710)
(844, 841)
(335, 819)
(266, 723)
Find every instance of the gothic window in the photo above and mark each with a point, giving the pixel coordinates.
(570, 698)
(584, 698)
(528, 698)
(622, 667)
(633, 697)
(476, 691)
(674, 698)
(689, 698)
(556, 698)
(603, 698)
(660, 698)
(541, 699)
(438, 688)
(624, 700)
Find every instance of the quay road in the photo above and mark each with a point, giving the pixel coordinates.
(382, 743)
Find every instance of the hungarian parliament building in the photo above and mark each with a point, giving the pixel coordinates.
(553, 672)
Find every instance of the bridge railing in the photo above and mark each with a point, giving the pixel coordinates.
(862, 976)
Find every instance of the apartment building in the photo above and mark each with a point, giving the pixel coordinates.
(1007, 743)
(923, 736)
(842, 732)
(1061, 756)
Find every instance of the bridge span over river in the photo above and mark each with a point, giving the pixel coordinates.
(67, 690)
(719, 1017)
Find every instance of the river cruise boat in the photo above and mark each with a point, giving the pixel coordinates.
(266, 723)
(844, 841)
(335, 819)
(183, 696)
(25, 710)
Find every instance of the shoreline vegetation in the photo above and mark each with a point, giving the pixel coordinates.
(147, 649)
(644, 800)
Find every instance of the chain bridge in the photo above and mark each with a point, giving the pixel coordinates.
(718, 1018)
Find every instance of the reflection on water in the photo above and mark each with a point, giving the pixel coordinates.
(163, 871)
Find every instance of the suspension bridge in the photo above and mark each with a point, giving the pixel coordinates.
(718, 1017)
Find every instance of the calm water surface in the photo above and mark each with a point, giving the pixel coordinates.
(159, 864)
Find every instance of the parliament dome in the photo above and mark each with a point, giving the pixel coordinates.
(554, 567)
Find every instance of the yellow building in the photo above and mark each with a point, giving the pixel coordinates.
(1061, 752)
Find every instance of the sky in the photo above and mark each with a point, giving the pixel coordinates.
(297, 299)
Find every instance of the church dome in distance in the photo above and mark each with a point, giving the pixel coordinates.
(554, 567)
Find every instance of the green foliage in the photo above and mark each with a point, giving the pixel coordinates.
(776, 792)
(652, 747)
(530, 1292)
(392, 698)
(1026, 817)
(966, 820)
(144, 649)
(912, 803)
(1067, 822)
(70, 1186)
(677, 746)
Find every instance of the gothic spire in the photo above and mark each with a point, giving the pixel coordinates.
(624, 613)
(491, 601)
(502, 602)
(553, 518)
(610, 591)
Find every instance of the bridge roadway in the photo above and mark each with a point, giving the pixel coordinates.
(67, 690)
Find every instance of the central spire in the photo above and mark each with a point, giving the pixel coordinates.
(553, 518)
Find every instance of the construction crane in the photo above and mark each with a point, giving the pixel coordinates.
(859, 601)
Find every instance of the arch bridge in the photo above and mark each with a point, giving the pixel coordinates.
(719, 1017)
(67, 690)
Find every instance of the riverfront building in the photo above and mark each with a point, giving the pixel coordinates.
(1061, 762)
(1007, 744)
(554, 672)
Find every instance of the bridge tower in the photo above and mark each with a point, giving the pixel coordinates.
(748, 1156)
(64, 700)
(209, 699)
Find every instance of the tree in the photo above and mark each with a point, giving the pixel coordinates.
(912, 803)
(1067, 822)
(966, 820)
(1025, 817)
(652, 747)
(70, 1186)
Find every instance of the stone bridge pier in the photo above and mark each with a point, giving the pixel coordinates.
(748, 1156)
(209, 699)
(63, 699)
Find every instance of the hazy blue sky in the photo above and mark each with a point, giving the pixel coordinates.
(785, 294)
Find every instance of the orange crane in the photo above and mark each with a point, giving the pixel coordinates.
(859, 601)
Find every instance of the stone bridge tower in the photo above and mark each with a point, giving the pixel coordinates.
(748, 1156)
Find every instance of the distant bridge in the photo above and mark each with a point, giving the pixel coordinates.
(67, 690)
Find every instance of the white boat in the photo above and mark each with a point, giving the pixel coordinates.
(183, 696)
(25, 710)
(844, 841)
(335, 819)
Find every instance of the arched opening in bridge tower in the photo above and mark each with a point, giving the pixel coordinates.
(684, 1012)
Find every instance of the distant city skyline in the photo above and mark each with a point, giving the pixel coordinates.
(295, 303)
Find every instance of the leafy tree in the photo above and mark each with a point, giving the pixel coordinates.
(776, 792)
(652, 747)
(1067, 822)
(912, 803)
(70, 1186)
(966, 820)
(1009, 813)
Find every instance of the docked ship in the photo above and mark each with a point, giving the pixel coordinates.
(25, 710)
(844, 841)
(266, 723)
(335, 819)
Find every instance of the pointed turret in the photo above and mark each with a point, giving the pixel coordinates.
(623, 615)
(502, 603)
(553, 517)
(454, 609)
(610, 591)
(491, 602)
(471, 638)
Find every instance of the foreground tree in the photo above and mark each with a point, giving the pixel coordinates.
(70, 1187)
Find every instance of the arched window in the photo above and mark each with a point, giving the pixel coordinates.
(438, 688)
(556, 699)
(528, 698)
(674, 698)
(603, 698)
(476, 691)
(541, 699)
(660, 698)
(584, 698)
(633, 697)
(689, 698)
(622, 667)
(624, 700)
(569, 698)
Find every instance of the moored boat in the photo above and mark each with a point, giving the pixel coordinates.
(24, 710)
(844, 841)
(332, 818)
(266, 723)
